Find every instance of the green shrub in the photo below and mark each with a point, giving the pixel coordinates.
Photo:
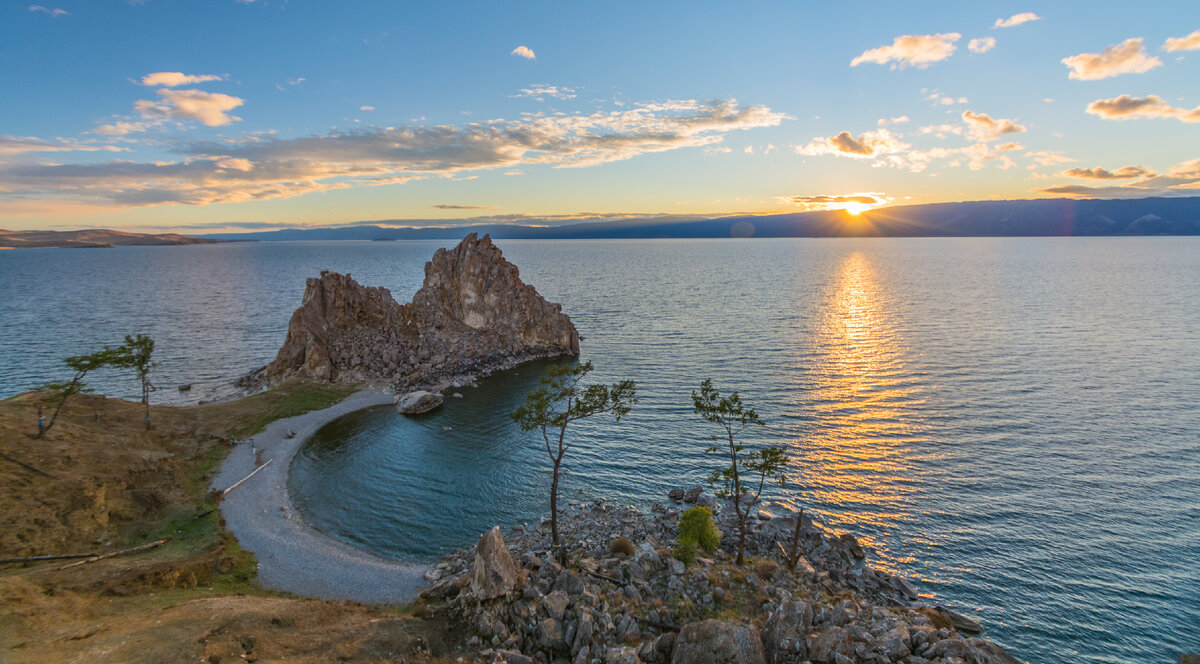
(696, 531)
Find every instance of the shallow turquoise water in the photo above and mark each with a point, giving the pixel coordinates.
(1010, 421)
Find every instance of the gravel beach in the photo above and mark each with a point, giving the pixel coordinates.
(292, 556)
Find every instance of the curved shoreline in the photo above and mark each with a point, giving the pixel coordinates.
(292, 556)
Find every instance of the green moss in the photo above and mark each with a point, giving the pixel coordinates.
(286, 401)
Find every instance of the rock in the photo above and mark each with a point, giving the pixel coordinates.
(418, 402)
(852, 545)
(556, 604)
(986, 652)
(550, 635)
(570, 583)
(494, 572)
(957, 620)
(185, 387)
(622, 656)
(675, 494)
(783, 635)
(691, 495)
(828, 641)
(718, 642)
(905, 587)
(1188, 658)
(510, 657)
(472, 316)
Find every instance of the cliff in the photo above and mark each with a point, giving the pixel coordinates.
(472, 316)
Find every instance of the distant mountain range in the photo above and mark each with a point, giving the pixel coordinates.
(1041, 217)
(97, 238)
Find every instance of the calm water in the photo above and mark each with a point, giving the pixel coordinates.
(1012, 422)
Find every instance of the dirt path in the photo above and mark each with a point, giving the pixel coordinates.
(292, 556)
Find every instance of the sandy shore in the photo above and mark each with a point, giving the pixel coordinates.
(292, 556)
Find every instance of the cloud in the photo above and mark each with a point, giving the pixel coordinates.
(1183, 179)
(918, 51)
(1126, 107)
(1015, 20)
(857, 201)
(982, 45)
(174, 79)
(868, 146)
(1123, 173)
(447, 206)
(1128, 57)
(16, 145)
(207, 108)
(366, 107)
(982, 127)
(1049, 158)
(524, 52)
(266, 167)
(900, 119)
(54, 13)
(1188, 43)
(945, 100)
(540, 92)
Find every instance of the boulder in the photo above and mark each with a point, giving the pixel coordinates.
(830, 641)
(691, 495)
(718, 642)
(494, 572)
(420, 401)
(472, 316)
(1188, 658)
(783, 636)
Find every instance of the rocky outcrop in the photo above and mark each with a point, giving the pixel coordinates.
(415, 403)
(718, 642)
(472, 316)
(494, 572)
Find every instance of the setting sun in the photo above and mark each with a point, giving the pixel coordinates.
(856, 208)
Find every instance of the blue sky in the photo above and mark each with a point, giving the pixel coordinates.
(224, 114)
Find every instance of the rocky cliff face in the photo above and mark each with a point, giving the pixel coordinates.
(472, 316)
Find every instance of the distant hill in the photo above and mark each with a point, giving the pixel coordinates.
(1040, 217)
(91, 239)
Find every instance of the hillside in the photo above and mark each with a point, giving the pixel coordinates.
(91, 239)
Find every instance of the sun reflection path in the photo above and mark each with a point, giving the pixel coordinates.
(854, 398)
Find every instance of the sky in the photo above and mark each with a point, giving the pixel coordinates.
(225, 114)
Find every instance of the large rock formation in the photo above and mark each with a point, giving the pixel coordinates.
(472, 316)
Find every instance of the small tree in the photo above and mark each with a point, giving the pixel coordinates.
(82, 365)
(747, 473)
(135, 354)
(560, 401)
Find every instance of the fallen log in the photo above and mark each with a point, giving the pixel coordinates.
(141, 547)
(238, 483)
(36, 559)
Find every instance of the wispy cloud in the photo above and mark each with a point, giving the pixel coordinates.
(899, 119)
(918, 51)
(366, 107)
(1123, 173)
(54, 13)
(174, 79)
(945, 100)
(260, 168)
(541, 91)
(1015, 20)
(1048, 158)
(1126, 107)
(857, 201)
(1128, 57)
(981, 45)
(869, 145)
(524, 52)
(448, 206)
(1183, 179)
(1188, 43)
(16, 145)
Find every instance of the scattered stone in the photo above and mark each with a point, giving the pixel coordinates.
(675, 494)
(691, 495)
(415, 403)
(185, 387)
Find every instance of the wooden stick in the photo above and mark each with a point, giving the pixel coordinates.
(602, 576)
(235, 484)
(34, 559)
(114, 554)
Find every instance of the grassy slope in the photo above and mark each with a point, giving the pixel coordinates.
(113, 484)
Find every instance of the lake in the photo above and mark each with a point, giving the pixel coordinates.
(1010, 422)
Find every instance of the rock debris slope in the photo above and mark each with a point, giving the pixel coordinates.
(472, 316)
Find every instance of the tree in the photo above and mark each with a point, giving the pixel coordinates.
(81, 365)
(135, 354)
(560, 401)
(743, 480)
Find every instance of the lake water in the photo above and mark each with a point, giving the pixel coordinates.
(1010, 422)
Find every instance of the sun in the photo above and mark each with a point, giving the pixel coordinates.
(856, 209)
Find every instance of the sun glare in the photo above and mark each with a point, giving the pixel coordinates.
(856, 208)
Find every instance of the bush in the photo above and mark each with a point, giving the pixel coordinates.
(696, 531)
(622, 545)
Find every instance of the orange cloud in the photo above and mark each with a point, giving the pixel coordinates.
(1128, 57)
(1126, 107)
(918, 51)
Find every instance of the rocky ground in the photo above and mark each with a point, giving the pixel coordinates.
(642, 605)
